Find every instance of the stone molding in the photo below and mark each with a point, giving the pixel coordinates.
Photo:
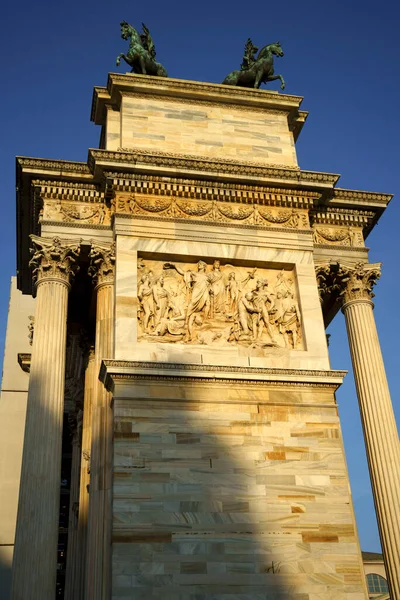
(102, 263)
(147, 158)
(209, 190)
(362, 197)
(347, 283)
(211, 103)
(53, 259)
(53, 165)
(195, 86)
(120, 370)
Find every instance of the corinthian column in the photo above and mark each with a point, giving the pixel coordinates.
(35, 552)
(98, 566)
(379, 425)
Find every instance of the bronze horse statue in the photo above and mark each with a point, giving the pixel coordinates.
(255, 71)
(141, 54)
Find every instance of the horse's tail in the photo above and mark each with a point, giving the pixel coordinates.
(161, 71)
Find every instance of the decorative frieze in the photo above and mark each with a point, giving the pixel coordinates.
(210, 211)
(76, 212)
(53, 259)
(218, 305)
(339, 236)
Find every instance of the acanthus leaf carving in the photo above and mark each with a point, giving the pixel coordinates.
(53, 258)
(102, 263)
(346, 283)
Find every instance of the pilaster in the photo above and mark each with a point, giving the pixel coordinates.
(80, 558)
(98, 571)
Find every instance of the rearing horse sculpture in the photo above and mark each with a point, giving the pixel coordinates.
(255, 71)
(141, 54)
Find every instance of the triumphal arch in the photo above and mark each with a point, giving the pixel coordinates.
(184, 277)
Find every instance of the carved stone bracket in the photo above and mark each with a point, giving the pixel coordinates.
(102, 263)
(53, 259)
(346, 283)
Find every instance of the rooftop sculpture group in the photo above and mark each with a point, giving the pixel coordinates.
(253, 71)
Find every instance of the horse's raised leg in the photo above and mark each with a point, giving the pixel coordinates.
(119, 58)
(258, 81)
(273, 77)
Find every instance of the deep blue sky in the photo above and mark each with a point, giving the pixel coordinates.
(343, 57)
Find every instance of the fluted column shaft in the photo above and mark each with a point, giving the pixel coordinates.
(71, 570)
(98, 568)
(80, 558)
(380, 431)
(34, 571)
(35, 552)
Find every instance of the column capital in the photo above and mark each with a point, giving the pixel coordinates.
(53, 259)
(102, 263)
(346, 282)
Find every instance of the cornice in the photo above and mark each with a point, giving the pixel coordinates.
(112, 371)
(361, 197)
(177, 85)
(171, 163)
(59, 166)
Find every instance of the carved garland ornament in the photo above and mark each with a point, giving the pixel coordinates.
(347, 282)
(211, 211)
(348, 236)
(72, 212)
(53, 258)
(218, 305)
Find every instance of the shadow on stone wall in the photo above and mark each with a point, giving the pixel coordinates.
(193, 518)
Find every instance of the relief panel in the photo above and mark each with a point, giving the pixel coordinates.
(76, 212)
(218, 304)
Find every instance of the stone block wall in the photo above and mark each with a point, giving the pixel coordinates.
(232, 491)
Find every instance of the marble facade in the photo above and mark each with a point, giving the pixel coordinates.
(184, 277)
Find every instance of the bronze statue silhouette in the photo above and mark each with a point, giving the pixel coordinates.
(255, 71)
(141, 54)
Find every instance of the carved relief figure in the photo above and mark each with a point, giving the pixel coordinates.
(289, 319)
(145, 294)
(216, 304)
(264, 303)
